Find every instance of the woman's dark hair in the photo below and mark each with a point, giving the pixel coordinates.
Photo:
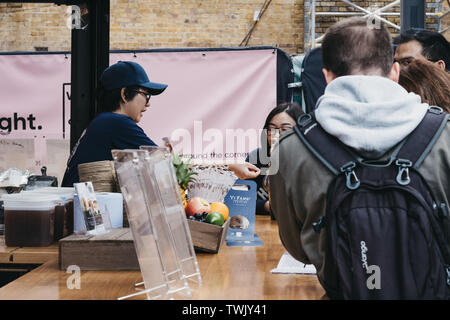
(291, 108)
(109, 101)
(427, 80)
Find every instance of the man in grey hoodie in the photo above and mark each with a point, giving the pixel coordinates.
(365, 108)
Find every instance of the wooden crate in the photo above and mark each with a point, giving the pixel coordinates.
(111, 251)
(208, 237)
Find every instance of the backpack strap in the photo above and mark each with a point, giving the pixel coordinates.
(422, 139)
(327, 148)
(338, 158)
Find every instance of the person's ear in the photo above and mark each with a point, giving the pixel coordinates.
(329, 75)
(394, 74)
(122, 95)
(441, 64)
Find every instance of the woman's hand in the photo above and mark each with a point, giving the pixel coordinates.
(244, 170)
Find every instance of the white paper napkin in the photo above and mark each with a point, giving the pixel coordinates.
(288, 264)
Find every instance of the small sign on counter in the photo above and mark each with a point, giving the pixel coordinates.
(96, 222)
(241, 201)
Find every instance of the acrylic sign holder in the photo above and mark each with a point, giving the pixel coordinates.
(163, 175)
(157, 260)
(154, 225)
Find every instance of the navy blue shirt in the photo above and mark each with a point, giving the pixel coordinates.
(106, 132)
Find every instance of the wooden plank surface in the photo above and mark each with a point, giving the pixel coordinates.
(235, 273)
(5, 252)
(32, 255)
(110, 251)
(35, 255)
(112, 235)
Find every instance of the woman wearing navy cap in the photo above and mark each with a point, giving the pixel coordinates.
(124, 95)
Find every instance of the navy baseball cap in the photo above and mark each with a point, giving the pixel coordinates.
(126, 74)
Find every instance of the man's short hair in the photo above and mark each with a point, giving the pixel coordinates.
(435, 46)
(109, 100)
(354, 46)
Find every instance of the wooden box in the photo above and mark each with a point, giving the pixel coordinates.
(111, 251)
(208, 237)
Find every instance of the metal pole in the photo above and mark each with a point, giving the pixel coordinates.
(390, 14)
(310, 23)
(371, 13)
(388, 6)
(307, 25)
(90, 56)
(313, 24)
(352, 13)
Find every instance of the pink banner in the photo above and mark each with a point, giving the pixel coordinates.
(213, 97)
(31, 95)
(215, 104)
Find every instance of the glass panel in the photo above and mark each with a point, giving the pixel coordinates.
(163, 174)
(153, 238)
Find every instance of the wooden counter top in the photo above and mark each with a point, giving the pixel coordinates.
(235, 273)
(5, 252)
(27, 255)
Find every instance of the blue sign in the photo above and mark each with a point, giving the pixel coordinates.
(241, 201)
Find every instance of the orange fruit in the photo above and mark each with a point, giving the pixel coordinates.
(221, 208)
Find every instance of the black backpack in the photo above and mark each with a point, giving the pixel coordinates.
(385, 233)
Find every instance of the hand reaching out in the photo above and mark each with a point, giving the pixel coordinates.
(245, 170)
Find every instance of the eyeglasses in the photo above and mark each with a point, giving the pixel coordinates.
(271, 130)
(147, 95)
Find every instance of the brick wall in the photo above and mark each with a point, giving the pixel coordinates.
(147, 24)
(209, 23)
(33, 27)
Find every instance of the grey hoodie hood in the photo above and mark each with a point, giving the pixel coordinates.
(368, 113)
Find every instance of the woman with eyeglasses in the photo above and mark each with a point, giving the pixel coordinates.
(282, 118)
(124, 95)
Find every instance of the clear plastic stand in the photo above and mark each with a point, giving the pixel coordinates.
(107, 218)
(163, 174)
(93, 217)
(156, 246)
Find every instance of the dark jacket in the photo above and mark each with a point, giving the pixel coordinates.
(106, 132)
(298, 189)
(262, 195)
